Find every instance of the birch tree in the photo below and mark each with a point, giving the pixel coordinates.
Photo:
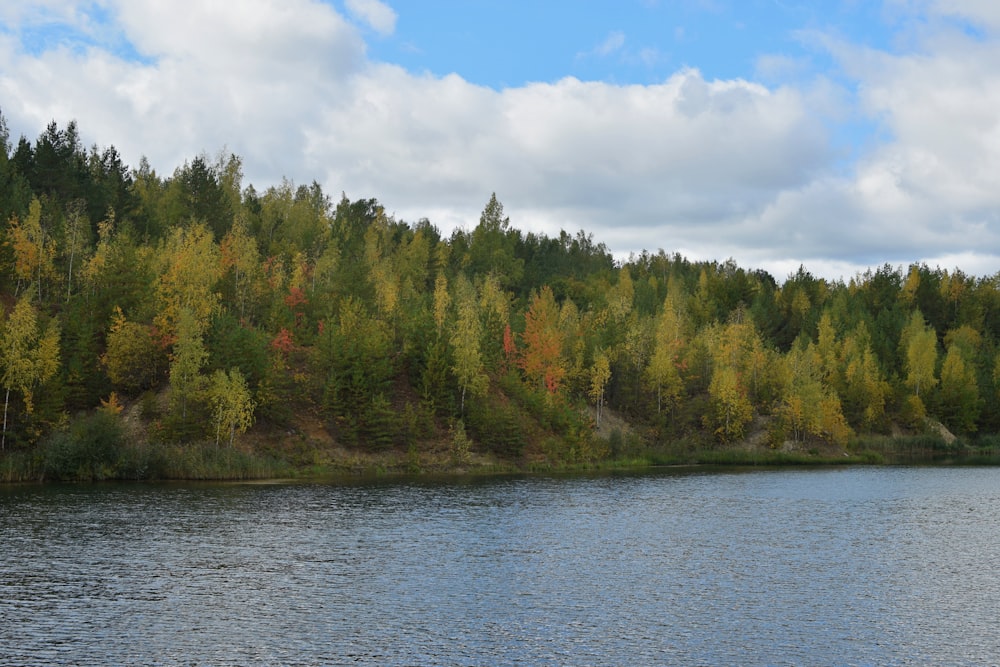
(189, 356)
(465, 342)
(34, 251)
(232, 403)
(600, 375)
(29, 356)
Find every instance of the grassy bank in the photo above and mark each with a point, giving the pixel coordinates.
(96, 449)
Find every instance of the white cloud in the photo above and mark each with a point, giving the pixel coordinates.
(33, 12)
(684, 154)
(251, 80)
(379, 16)
(712, 169)
(980, 12)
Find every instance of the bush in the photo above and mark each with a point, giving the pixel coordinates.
(88, 450)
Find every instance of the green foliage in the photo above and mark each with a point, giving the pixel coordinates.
(959, 394)
(188, 358)
(387, 332)
(465, 342)
(498, 426)
(357, 355)
(88, 450)
(133, 359)
(231, 344)
(206, 461)
(461, 445)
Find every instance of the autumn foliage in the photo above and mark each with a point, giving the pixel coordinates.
(219, 308)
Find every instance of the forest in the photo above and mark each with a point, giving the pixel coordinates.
(152, 322)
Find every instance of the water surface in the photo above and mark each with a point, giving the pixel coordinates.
(871, 566)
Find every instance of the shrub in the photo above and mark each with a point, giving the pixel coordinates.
(88, 450)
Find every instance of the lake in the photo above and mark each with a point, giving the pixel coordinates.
(852, 566)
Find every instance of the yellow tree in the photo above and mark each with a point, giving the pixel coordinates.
(908, 294)
(600, 374)
(28, 355)
(663, 372)
(637, 346)
(240, 256)
(863, 389)
(412, 259)
(959, 393)
(188, 358)
(494, 308)
(751, 358)
(382, 273)
(803, 391)
(232, 403)
(386, 285)
(828, 348)
(729, 396)
(919, 346)
(702, 306)
(34, 251)
(99, 261)
(191, 266)
(133, 360)
(621, 296)
(465, 341)
(433, 378)
(731, 410)
(808, 407)
(442, 300)
(571, 324)
(76, 240)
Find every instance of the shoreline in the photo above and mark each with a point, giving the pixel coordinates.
(195, 462)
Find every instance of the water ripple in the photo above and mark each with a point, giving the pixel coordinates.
(871, 566)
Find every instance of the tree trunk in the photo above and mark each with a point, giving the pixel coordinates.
(6, 401)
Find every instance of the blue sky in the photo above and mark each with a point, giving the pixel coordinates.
(489, 43)
(835, 134)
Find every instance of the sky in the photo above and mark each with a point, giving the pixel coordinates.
(838, 135)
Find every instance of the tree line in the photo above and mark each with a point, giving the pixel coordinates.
(216, 306)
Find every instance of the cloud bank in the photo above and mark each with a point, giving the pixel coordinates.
(709, 168)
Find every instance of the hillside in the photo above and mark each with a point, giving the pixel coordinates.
(304, 331)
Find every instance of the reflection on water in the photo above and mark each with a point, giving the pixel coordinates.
(881, 566)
